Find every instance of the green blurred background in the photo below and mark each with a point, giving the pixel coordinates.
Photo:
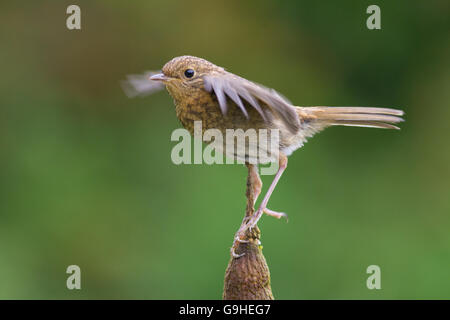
(86, 176)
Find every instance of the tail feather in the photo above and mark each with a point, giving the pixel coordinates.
(321, 117)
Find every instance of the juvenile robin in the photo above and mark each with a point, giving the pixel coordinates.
(222, 100)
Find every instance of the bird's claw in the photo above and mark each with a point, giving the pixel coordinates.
(233, 248)
(275, 214)
(251, 223)
(237, 240)
(235, 255)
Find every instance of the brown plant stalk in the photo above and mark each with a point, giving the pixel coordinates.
(248, 277)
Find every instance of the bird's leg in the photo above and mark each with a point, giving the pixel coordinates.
(262, 208)
(255, 181)
(256, 184)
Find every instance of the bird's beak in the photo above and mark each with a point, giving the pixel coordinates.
(159, 77)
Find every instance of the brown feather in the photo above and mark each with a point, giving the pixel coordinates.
(263, 99)
(322, 117)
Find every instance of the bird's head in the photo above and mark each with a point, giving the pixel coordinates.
(182, 75)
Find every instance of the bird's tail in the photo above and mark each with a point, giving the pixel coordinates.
(321, 117)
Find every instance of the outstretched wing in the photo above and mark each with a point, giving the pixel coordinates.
(140, 84)
(266, 101)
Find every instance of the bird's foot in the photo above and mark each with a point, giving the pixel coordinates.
(235, 255)
(251, 223)
(275, 214)
(236, 242)
(237, 239)
(254, 219)
(257, 215)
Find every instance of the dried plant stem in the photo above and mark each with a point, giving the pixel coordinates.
(248, 277)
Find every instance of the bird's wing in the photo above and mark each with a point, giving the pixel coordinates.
(237, 88)
(140, 84)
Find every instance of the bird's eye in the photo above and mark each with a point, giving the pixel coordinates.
(189, 73)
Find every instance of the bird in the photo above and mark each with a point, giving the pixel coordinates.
(219, 99)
